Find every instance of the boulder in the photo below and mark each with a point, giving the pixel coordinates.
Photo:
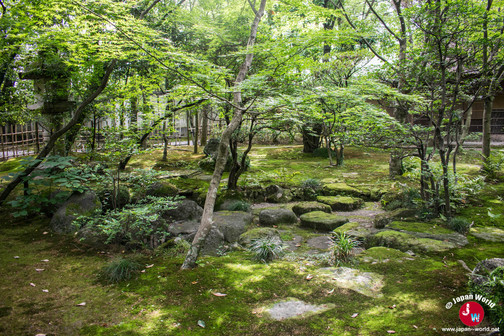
(276, 194)
(78, 204)
(161, 189)
(380, 254)
(305, 207)
(341, 203)
(247, 238)
(355, 230)
(211, 147)
(184, 227)
(479, 275)
(322, 221)
(429, 230)
(488, 233)
(232, 224)
(340, 189)
(381, 220)
(183, 210)
(214, 243)
(270, 217)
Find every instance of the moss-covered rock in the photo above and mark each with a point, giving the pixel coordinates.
(341, 203)
(382, 254)
(355, 230)
(340, 189)
(381, 220)
(405, 241)
(305, 207)
(232, 223)
(488, 233)
(247, 238)
(79, 204)
(270, 217)
(162, 189)
(322, 221)
(429, 230)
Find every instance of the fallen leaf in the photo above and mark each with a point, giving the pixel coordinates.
(81, 304)
(354, 315)
(391, 331)
(149, 266)
(297, 245)
(201, 323)
(41, 335)
(309, 277)
(392, 307)
(39, 269)
(194, 282)
(414, 326)
(331, 291)
(142, 271)
(45, 260)
(16, 257)
(45, 232)
(32, 284)
(45, 290)
(219, 294)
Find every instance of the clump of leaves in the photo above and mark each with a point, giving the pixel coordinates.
(493, 289)
(459, 224)
(341, 247)
(119, 270)
(239, 206)
(267, 249)
(493, 165)
(311, 183)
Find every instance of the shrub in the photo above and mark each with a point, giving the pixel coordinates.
(493, 165)
(120, 269)
(493, 289)
(341, 247)
(311, 183)
(267, 249)
(459, 224)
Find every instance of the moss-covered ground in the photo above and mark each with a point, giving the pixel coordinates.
(44, 277)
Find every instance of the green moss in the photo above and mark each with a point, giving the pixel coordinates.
(419, 227)
(341, 203)
(488, 233)
(381, 253)
(404, 242)
(346, 227)
(340, 189)
(305, 207)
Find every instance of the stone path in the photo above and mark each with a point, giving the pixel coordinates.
(294, 308)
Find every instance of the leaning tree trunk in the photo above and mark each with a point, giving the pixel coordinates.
(57, 135)
(222, 152)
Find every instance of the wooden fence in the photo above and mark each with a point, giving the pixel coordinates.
(20, 140)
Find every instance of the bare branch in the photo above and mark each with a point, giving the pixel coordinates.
(252, 5)
(382, 21)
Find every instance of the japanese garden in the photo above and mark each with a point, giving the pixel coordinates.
(251, 167)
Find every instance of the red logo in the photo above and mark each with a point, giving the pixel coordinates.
(471, 313)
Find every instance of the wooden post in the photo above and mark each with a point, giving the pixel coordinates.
(2, 140)
(37, 138)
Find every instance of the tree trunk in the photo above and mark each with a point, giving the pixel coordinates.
(57, 135)
(487, 122)
(196, 132)
(165, 143)
(311, 137)
(206, 219)
(204, 125)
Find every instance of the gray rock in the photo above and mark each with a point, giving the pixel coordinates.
(320, 242)
(211, 147)
(161, 189)
(488, 233)
(305, 207)
(270, 217)
(293, 308)
(232, 224)
(78, 204)
(183, 227)
(184, 210)
(276, 194)
(214, 243)
(366, 283)
(486, 266)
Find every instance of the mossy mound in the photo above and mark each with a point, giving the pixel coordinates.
(405, 241)
(429, 230)
(305, 207)
(340, 189)
(162, 189)
(354, 229)
(488, 233)
(382, 254)
(381, 220)
(341, 203)
(250, 236)
(322, 221)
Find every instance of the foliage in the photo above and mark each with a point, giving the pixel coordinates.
(311, 183)
(120, 269)
(137, 225)
(493, 289)
(267, 249)
(407, 198)
(56, 173)
(493, 165)
(341, 247)
(238, 205)
(459, 224)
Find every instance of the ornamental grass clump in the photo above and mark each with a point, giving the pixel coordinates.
(267, 249)
(341, 247)
(119, 270)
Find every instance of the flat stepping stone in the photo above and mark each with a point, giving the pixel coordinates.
(270, 217)
(429, 230)
(305, 207)
(380, 254)
(405, 241)
(341, 203)
(320, 242)
(294, 308)
(340, 189)
(366, 283)
(488, 233)
(294, 244)
(355, 230)
(322, 221)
